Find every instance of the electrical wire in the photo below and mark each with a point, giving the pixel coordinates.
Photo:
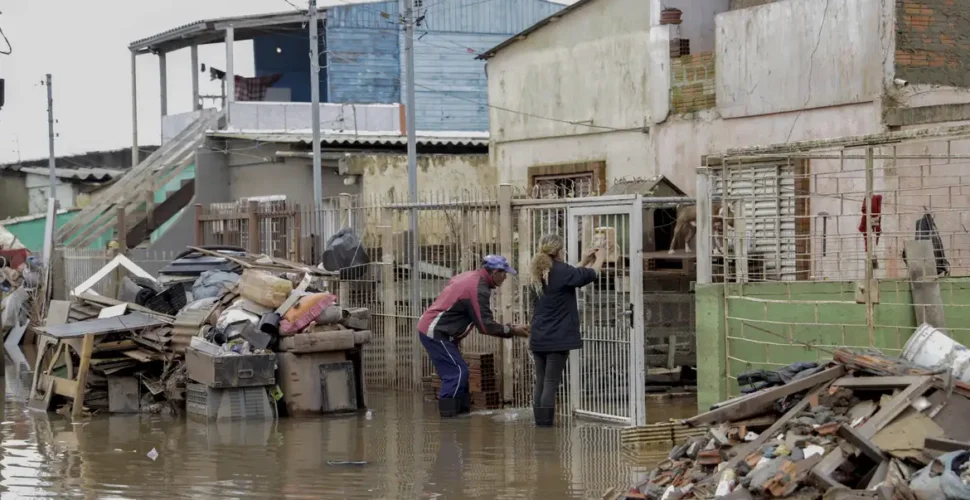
(7, 41)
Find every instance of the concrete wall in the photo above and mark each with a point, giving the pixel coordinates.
(13, 195)
(569, 71)
(824, 315)
(801, 54)
(259, 172)
(280, 116)
(744, 4)
(386, 175)
(38, 191)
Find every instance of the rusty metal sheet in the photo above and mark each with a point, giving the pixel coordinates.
(102, 326)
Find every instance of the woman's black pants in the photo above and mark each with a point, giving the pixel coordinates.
(549, 369)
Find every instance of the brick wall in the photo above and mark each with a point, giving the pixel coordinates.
(933, 42)
(692, 83)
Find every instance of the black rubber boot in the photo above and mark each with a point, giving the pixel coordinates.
(545, 417)
(448, 407)
(466, 403)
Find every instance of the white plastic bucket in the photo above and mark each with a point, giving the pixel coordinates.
(932, 349)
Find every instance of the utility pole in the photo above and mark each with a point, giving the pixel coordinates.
(50, 135)
(412, 164)
(315, 112)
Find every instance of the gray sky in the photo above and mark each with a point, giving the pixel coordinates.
(84, 47)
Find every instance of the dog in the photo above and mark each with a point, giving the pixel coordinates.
(686, 227)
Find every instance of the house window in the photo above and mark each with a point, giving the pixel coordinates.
(563, 186)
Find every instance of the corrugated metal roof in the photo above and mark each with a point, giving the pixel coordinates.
(488, 54)
(74, 174)
(343, 138)
(211, 30)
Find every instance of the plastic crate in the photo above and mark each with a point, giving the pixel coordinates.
(242, 403)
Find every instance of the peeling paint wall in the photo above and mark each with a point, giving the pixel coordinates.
(801, 54)
(570, 71)
(386, 175)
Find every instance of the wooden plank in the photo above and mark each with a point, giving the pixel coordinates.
(82, 377)
(862, 443)
(60, 386)
(877, 382)
(133, 321)
(140, 355)
(762, 401)
(945, 445)
(119, 260)
(58, 312)
(136, 175)
(887, 413)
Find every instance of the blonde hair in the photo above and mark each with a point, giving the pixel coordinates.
(550, 246)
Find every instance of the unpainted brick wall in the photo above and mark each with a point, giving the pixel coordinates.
(933, 42)
(692, 83)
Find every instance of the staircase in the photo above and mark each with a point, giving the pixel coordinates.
(135, 192)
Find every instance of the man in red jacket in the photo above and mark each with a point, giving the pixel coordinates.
(462, 305)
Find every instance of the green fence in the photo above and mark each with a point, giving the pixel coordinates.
(749, 326)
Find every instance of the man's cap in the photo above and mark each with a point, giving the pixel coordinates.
(497, 263)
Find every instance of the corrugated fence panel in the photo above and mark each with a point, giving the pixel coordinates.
(506, 17)
(383, 15)
(451, 89)
(363, 65)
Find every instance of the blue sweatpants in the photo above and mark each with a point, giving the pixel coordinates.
(449, 364)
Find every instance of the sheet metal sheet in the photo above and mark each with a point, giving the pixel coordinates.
(102, 326)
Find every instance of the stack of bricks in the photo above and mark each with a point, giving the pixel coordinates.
(482, 382)
(692, 83)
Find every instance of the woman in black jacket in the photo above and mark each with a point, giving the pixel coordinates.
(555, 317)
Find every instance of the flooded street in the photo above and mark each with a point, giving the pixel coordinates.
(403, 451)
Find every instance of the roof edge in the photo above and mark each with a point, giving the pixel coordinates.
(490, 53)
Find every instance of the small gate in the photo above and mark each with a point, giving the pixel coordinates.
(607, 377)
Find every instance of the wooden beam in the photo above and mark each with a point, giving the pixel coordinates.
(945, 445)
(82, 377)
(877, 382)
(759, 402)
(162, 212)
(861, 442)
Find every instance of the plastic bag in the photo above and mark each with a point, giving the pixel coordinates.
(345, 253)
(941, 478)
(14, 308)
(264, 288)
(211, 283)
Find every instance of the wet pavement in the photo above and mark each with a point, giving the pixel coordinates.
(405, 449)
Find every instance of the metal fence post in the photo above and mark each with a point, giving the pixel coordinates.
(254, 246)
(389, 297)
(297, 250)
(345, 218)
(870, 320)
(505, 297)
(703, 241)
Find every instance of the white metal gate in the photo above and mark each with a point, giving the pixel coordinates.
(607, 377)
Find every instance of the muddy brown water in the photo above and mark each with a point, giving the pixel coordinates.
(408, 453)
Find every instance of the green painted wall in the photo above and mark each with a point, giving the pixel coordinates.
(31, 232)
(767, 325)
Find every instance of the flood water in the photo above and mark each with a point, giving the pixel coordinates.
(408, 452)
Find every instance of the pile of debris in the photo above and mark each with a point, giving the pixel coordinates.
(21, 280)
(863, 426)
(203, 336)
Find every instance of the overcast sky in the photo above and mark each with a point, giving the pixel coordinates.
(84, 47)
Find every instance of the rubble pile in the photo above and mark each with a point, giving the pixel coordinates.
(862, 426)
(209, 335)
